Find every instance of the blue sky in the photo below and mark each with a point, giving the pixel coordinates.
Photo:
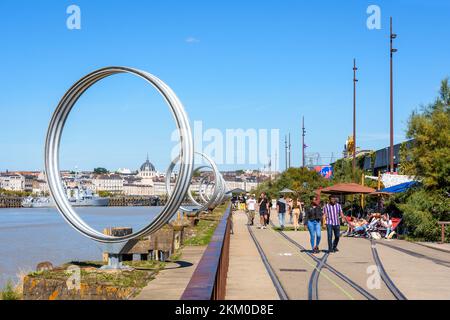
(234, 64)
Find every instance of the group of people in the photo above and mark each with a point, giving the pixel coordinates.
(311, 217)
(375, 225)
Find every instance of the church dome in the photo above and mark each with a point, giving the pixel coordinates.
(147, 166)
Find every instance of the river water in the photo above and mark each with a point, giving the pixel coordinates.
(29, 236)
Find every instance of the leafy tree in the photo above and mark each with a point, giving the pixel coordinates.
(100, 171)
(303, 181)
(105, 194)
(429, 156)
(428, 159)
(343, 172)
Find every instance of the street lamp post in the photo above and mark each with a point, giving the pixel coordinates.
(354, 114)
(289, 150)
(285, 153)
(303, 141)
(392, 51)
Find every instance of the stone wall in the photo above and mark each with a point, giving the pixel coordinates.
(57, 289)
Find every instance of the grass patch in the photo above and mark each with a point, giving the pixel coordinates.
(205, 228)
(145, 264)
(10, 292)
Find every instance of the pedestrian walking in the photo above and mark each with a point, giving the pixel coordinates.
(296, 211)
(332, 211)
(251, 207)
(281, 208)
(263, 206)
(272, 208)
(313, 219)
(289, 208)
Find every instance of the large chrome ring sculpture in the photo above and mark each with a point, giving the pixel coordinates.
(52, 145)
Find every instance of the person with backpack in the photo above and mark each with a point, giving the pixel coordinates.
(281, 208)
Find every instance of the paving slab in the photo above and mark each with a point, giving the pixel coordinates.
(247, 277)
(171, 282)
(437, 246)
(419, 272)
(354, 260)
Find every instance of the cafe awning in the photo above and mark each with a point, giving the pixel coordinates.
(237, 190)
(400, 187)
(347, 188)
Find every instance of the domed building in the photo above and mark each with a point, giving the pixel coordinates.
(147, 172)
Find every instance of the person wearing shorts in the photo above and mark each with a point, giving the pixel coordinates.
(251, 207)
(263, 204)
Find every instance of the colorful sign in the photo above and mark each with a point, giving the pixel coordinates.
(324, 171)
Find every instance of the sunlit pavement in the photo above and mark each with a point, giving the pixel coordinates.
(418, 272)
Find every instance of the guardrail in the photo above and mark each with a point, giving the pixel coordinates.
(210, 277)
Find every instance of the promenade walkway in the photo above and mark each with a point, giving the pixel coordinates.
(170, 283)
(416, 271)
(407, 270)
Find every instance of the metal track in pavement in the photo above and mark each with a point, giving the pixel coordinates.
(276, 282)
(383, 274)
(341, 276)
(313, 286)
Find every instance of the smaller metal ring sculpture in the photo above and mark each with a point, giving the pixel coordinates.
(217, 176)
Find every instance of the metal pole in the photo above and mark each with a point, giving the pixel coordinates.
(392, 50)
(285, 152)
(354, 114)
(303, 141)
(289, 150)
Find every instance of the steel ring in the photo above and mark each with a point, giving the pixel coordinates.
(52, 145)
(216, 176)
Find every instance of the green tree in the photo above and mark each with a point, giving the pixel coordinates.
(343, 171)
(105, 194)
(303, 181)
(428, 158)
(100, 171)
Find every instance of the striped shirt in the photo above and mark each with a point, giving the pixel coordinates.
(332, 214)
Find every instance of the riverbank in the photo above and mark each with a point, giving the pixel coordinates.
(98, 284)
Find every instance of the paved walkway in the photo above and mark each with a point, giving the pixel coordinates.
(438, 246)
(417, 271)
(247, 277)
(170, 283)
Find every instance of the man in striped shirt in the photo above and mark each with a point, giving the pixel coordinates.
(332, 211)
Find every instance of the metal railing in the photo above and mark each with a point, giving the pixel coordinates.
(210, 277)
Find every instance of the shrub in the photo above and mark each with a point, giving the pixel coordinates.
(9, 292)
(422, 210)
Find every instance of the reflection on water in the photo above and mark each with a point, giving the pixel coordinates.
(30, 236)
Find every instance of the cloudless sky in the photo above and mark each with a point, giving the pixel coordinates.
(233, 64)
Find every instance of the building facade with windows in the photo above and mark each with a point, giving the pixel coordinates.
(112, 183)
